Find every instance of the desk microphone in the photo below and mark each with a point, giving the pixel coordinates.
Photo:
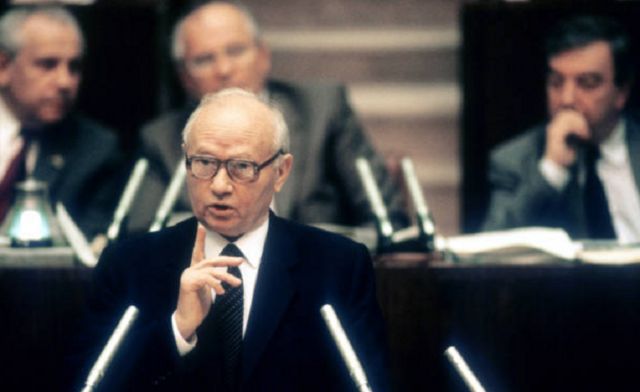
(108, 352)
(463, 369)
(371, 190)
(426, 226)
(170, 197)
(130, 191)
(346, 350)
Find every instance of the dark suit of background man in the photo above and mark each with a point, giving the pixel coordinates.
(218, 45)
(544, 176)
(41, 52)
(236, 150)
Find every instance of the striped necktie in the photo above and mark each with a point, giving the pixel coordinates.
(228, 313)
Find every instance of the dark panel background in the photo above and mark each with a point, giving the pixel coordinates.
(503, 76)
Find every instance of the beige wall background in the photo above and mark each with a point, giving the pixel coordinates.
(400, 62)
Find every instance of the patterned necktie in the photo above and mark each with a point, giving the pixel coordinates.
(599, 224)
(228, 311)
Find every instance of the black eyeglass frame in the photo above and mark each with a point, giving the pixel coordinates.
(257, 167)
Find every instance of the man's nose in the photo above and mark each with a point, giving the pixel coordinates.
(221, 184)
(224, 66)
(66, 78)
(568, 95)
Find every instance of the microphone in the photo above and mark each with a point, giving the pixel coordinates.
(385, 229)
(463, 369)
(426, 226)
(76, 239)
(170, 197)
(130, 191)
(346, 350)
(108, 352)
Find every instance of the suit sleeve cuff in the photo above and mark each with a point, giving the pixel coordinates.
(556, 175)
(184, 346)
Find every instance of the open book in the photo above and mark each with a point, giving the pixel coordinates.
(535, 245)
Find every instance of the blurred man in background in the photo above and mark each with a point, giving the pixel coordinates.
(41, 49)
(218, 45)
(581, 169)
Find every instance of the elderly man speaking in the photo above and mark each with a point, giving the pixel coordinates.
(229, 300)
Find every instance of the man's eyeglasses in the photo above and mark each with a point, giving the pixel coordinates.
(203, 63)
(206, 167)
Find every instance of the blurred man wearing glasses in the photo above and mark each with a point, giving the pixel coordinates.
(230, 300)
(218, 45)
(41, 52)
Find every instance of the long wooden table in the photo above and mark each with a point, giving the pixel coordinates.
(521, 328)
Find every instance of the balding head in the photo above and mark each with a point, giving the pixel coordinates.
(40, 56)
(235, 145)
(217, 46)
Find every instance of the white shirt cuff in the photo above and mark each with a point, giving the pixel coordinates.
(556, 175)
(184, 347)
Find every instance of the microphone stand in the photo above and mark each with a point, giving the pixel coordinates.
(405, 240)
(463, 369)
(126, 200)
(346, 350)
(383, 224)
(170, 197)
(108, 352)
(425, 223)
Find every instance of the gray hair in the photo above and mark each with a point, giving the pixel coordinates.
(281, 134)
(13, 20)
(177, 41)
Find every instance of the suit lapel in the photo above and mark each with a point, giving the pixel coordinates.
(273, 292)
(53, 153)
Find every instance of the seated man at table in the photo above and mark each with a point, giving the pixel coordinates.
(230, 300)
(218, 45)
(581, 169)
(41, 51)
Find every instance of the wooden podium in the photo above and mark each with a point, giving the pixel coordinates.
(525, 328)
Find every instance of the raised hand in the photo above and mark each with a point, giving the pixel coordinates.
(197, 281)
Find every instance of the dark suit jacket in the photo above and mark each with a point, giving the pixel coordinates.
(326, 138)
(286, 345)
(81, 162)
(520, 196)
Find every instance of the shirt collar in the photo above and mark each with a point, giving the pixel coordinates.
(251, 244)
(10, 126)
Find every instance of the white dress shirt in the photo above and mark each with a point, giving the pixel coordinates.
(10, 140)
(615, 173)
(251, 245)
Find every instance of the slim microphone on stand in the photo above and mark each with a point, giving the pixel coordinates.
(346, 350)
(383, 224)
(76, 239)
(170, 197)
(130, 191)
(108, 352)
(426, 226)
(463, 369)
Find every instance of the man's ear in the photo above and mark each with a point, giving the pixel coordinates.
(264, 59)
(283, 170)
(623, 96)
(5, 68)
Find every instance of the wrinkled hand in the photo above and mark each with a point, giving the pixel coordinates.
(564, 123)
(196, 283)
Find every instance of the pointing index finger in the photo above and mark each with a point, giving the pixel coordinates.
(198, 246)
